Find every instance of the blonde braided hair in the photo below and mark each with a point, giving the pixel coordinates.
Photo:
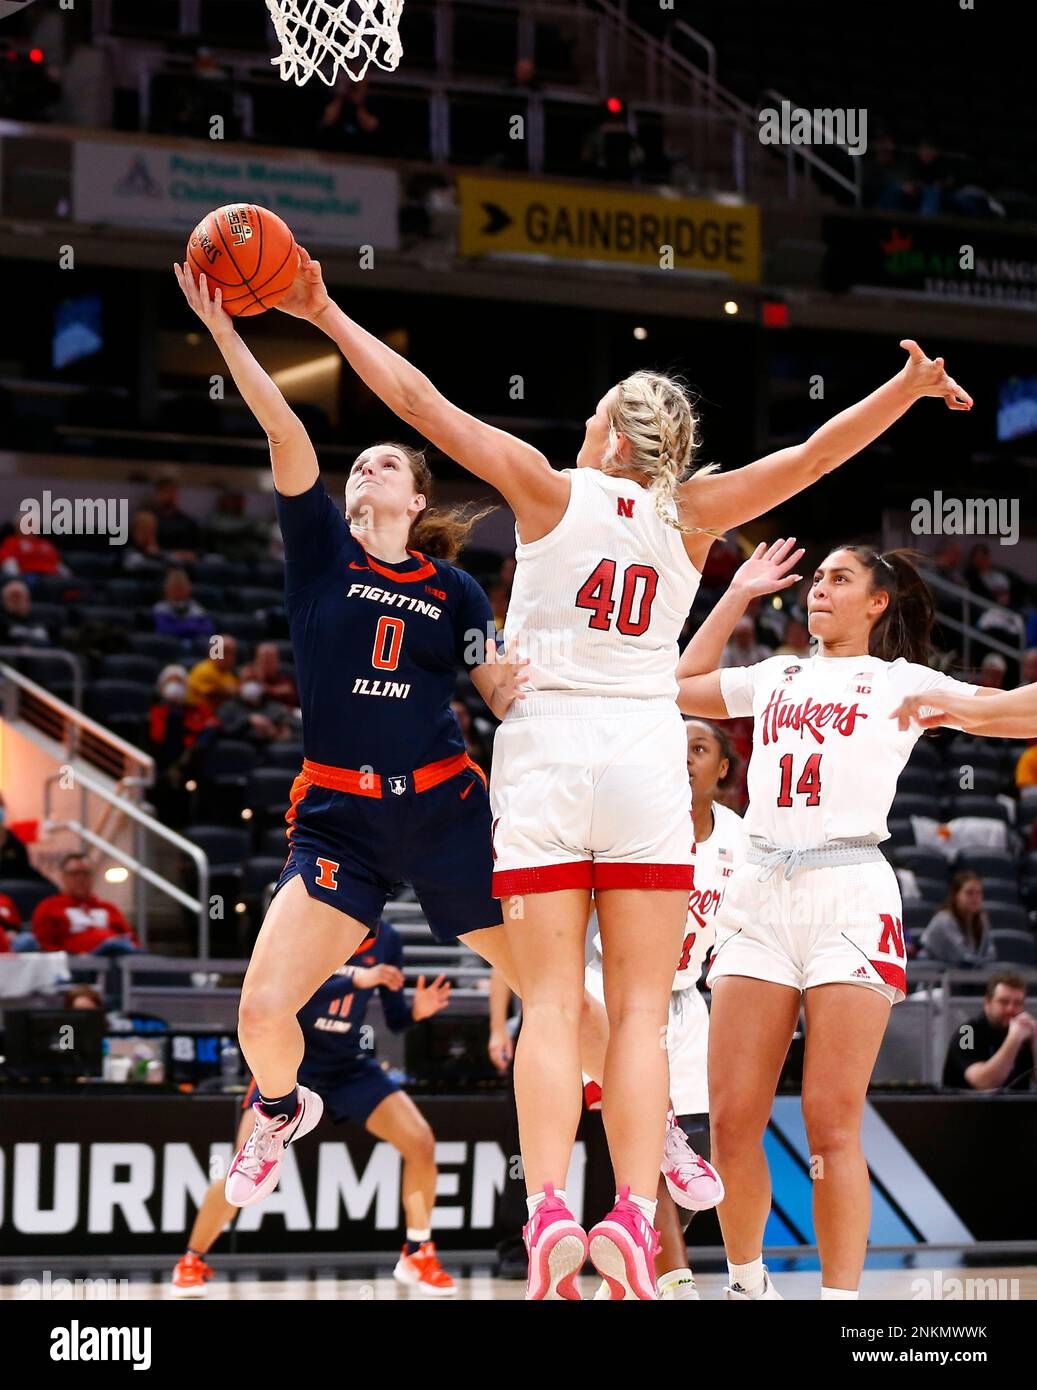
(655, 414)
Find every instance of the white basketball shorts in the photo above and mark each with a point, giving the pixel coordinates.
(590, 792)
(823, 926)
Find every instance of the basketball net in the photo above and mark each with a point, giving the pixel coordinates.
(322, 36)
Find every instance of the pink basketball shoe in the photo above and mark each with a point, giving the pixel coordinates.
(693, 1183)
(557, 1247)
(257, 1165)
(623, 1248)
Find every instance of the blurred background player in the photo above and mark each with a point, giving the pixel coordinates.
(813, 919)
(339, 1065)
(689, 1183)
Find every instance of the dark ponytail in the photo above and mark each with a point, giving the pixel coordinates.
(905, 628)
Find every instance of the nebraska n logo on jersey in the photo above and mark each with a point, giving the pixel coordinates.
(625, 506)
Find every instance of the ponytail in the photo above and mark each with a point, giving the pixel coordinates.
(442, 532)
(905, 628)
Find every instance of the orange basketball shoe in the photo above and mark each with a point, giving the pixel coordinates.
(191, 1276)
(422, 1271)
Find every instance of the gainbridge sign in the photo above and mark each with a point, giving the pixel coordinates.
(574, 222)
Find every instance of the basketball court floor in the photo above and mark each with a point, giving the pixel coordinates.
(938, 1275)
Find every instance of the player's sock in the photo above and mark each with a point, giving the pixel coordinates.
(198, 1254)
(675, 1279)
(281, 1105)
(534, 1201)
(645, 1205)
(747, 1278)
(839, 1293)
(416, 1239)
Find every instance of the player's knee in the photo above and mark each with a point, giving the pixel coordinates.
(832, 1127)
(555, 1010)
(735, 1124)
(260, 1008)
(419, 1144)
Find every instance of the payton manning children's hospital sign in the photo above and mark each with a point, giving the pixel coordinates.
(123, 184)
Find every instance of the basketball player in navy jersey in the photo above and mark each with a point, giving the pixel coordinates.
(339, 1065)
(387, 792)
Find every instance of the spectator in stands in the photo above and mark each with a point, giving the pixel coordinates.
(16, 626)
(1002, 621)
(610, 151)
(1026, 767)
(1028, 674)
(229, 531)
(797, 639)
(743, 648)
(29, 555)
(992, 671)
(475, 745)
(947, 563)
(178, 614)
(215, 678)
(347, 122)
(886, 177)
(143, 553)
(178, 734)
(278, 684)
(14, 860)
(982, 577)
(499, 593)
(174, 726)
(959, 933)
(10, 922)
(995, 1050)
(82, 997)
(251, 716)
(933, 179)
(177, 532)
(77, 921)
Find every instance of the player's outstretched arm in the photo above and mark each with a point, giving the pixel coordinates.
(292, 456)
(993, 713)
(719, 501)
(536, 493)
(767, 570)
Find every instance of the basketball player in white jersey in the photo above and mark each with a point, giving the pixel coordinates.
(813, 918)
(588, 789)
(689, 1182)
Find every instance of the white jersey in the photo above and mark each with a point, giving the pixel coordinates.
(598, 604)
(826, 754)
(713, 861)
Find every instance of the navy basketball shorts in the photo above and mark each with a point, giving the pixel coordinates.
(354, 843)
(350, 1094)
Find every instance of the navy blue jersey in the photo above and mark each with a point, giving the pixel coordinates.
(377, 645)
(332, 1021)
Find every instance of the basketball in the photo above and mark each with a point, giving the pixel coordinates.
(249, 253)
